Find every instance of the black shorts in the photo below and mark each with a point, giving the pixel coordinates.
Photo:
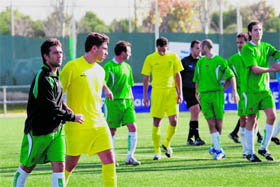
(189, 96)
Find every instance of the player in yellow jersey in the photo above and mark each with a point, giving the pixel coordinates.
(165, 68)
(83, 80)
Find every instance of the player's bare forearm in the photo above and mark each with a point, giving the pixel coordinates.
(258, 70)
(178, 84)
(197, 93)
(108, 93)
(235, 96)
(145, 90)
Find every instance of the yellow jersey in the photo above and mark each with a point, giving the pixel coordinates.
(162, 68)
(83, 84)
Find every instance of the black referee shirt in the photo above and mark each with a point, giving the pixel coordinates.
(187, 74)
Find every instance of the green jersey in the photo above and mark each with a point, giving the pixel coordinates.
(210, 72)
(256, 55)
(236, 65)
(119, 79)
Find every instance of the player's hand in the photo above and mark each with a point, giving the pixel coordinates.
(146, 102)
(197, 97)
(179, 99)
(235, 97)
(109, 95)
(79, 118)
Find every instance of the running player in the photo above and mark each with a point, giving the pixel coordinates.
(258, 95)
(209, 72)
(43, 137)
(165, 67)
(83, 80)
(189, 64)
(120, 111)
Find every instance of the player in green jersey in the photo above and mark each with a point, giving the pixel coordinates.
(237, 66)
(209, 72)
(256, 89)
(120, 111)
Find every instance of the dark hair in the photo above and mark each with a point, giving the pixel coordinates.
(121, 46)
(96, 39)
(208, 43)
(243, 35)
(194, 42)
(162, 41)
(250, 27)
(46, 45)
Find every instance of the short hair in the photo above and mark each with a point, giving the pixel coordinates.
(47, 44)
(208, 43)
(243, 35)
(194, 42)
(96, 39)
(250, 27)
(121, 46)
(162, 41)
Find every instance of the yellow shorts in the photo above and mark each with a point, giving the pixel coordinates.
(164, 102)
(90, 140)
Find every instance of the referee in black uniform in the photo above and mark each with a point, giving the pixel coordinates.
(189, 64)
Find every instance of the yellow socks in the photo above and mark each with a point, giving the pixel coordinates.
(156, 139)
(109, 175)
(169, 135)
(67, 175)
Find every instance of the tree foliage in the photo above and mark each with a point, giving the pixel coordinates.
(91, 23)
(174, 16)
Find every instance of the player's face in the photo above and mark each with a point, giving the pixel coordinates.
(127, 54)
(256, 32)
(101, 52)
(54, 58)
(162, 50)
(203, 51)
(196, 50)
(240, 42)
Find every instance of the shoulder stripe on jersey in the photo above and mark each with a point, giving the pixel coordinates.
(217, 72)
(113, 77)
(35, 88)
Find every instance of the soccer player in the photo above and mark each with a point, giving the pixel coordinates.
(165, 67)
(83, 80)
(237, 66)
(43, 137)
(189, 64)
(258, 95)
(120, 111)
(208, 75)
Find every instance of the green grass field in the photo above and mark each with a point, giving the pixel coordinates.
(190, 166)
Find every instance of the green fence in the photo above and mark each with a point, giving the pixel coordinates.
(20, 57)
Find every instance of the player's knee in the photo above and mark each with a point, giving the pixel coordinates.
(271, 119)
(27, 169)
(58, 167)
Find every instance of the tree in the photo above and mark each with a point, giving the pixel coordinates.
(90, 22)
(121, 25)
(24, 25)
(272, 25)
(174, 16)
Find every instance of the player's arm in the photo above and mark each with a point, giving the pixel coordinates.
(146, 82)
(197, 93)
(178, 84)
(234, 96)
(258, 70)
(108, 93)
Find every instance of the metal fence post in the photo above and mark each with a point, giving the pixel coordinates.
(5, 99)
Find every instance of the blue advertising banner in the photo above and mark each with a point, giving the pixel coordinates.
(229, 104)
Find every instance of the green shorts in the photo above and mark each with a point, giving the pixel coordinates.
(212, 104)
(42, 149)
(241, 106)
(119, 112)
(258, 101)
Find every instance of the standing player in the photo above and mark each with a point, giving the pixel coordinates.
(255, 56)
(120, 111)
(43, 138)
(189, 64)
(165, 68)
(208, 76)
(83, 80)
